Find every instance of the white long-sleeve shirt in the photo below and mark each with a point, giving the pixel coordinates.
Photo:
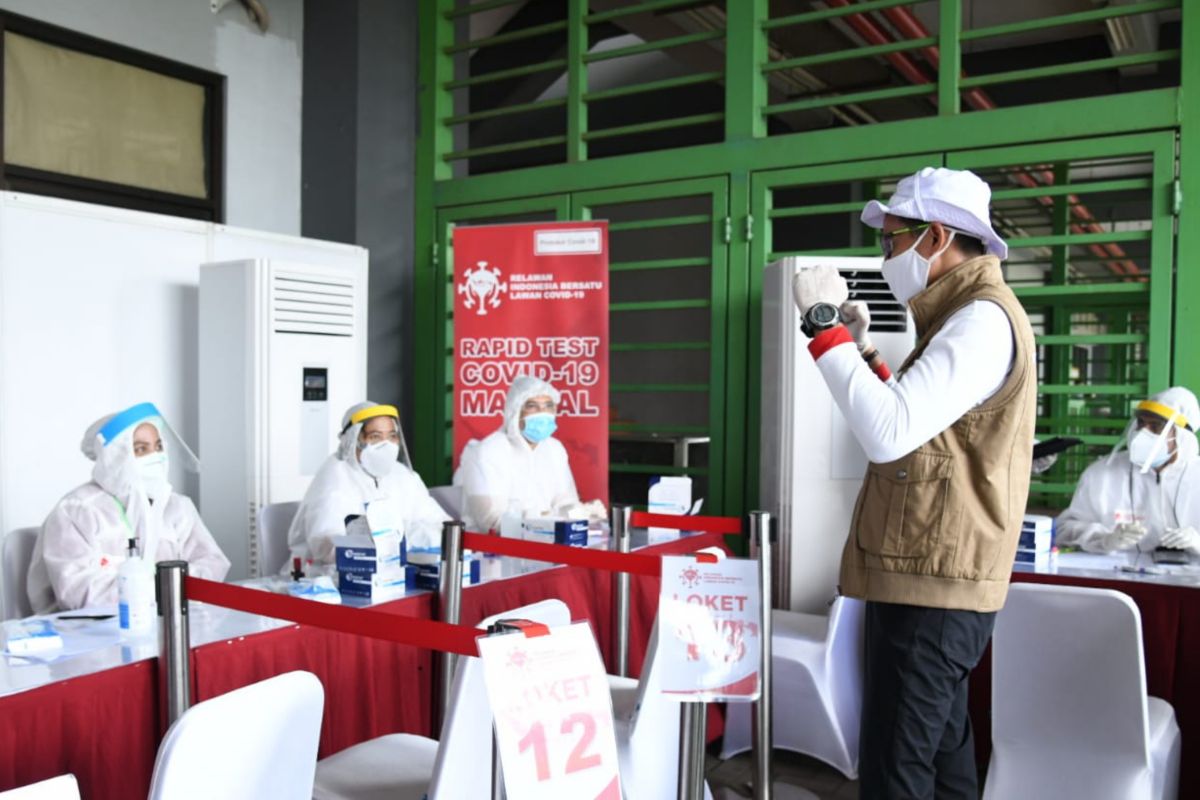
(965, 363)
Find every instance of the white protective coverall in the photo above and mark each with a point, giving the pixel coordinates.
(1114, 491)
(85, 539)
(504, 468)
(342, 488)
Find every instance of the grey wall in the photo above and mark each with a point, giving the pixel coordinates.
(358, 163)
(262, 111)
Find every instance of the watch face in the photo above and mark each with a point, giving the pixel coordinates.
(823, 314)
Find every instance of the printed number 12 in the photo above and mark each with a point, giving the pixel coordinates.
(577, 761)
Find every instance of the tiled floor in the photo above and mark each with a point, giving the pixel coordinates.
(730, 780)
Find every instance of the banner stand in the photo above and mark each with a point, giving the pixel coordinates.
(693, 727)
(620, 523)
(761, 534)
(449, 606)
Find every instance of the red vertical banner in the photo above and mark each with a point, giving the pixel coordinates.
(532, 299)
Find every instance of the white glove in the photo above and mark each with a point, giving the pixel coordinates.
(1182, 539)
(819, 284)
(1044, 463)
(857, 317)
(1123, 537)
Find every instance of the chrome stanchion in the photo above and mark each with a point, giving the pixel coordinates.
(620, 537)
(693, 719)
(497, 769)
(174, 666)
(449, 605)
(761, 731)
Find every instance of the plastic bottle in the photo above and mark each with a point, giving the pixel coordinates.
(135, 594)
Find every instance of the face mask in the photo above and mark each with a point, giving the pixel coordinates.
(539, 427)
(152, 470)
(379, 459)
(1147, 449)
(907, 274)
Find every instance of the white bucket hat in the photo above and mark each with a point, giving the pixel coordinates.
(957, 198)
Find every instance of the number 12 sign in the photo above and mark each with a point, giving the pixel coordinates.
(550, 699)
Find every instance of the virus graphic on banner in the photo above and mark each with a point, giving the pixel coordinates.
(690, 577)
(482, 287)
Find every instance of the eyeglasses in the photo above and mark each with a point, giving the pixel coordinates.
(887, 240)
(375, 437)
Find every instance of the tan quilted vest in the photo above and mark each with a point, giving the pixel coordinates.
(939, 526)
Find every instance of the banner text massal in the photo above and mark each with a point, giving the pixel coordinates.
(532, 299)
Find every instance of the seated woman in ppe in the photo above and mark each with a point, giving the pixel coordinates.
(371, 464)
(86, 537)
(520, 466)
(1146, 494)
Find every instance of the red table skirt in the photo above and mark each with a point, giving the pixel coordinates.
(104, 728)
(1171, 642)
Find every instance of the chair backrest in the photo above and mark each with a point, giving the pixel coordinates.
(450, 498)
(274, 520)
(18, 552)
(256, 741)
(1069, 685)
(64, 787)
(464, 759)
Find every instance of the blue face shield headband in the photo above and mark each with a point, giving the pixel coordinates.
(126, 419)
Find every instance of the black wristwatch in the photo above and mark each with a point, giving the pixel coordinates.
(820, 317)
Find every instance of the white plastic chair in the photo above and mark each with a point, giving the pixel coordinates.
(1070, 714)
(647, 726)
(402, 766)
(274, 520)
(18, 552)
(254, 742)
(64, 787)
(450, 498)
(817, 687)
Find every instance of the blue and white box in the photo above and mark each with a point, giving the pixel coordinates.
(548, 530)
(428, 575)
(369, 553)
(373, 586)
(24, 636)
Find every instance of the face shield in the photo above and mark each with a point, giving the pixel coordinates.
(373, 448)
(1149, 449)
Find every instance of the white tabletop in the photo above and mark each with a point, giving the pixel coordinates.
(95, 645)
(1132, 566)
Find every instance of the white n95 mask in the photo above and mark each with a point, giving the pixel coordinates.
(907, 273)
(1147, 449)
(379, 459)
(152, 470)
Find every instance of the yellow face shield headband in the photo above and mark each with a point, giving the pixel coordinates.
(1166, 412)
(370, 413)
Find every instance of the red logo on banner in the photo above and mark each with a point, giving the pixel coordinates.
(532, 299)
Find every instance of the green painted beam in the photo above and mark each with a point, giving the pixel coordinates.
(653, 469)
(505, 74)
(841, 99)
(1074, 68)
(636, 8)
(745, 85)
(653, 86)
(659, 263)
(1120, 114)
(1097, 15)
(657, 125)
(949, 58)
(834, 13)
(849, 54)
(640, 347)
(506, 38)
(577, 81)
(658, 387)
(1186, 311)
(653, 47)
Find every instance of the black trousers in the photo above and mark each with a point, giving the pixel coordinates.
(916, 741)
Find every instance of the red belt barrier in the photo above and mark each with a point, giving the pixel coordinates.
(562, 554)
(412, 631)
(642, 519)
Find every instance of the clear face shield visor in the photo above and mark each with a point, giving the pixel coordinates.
(131, 418)
(1148, 450)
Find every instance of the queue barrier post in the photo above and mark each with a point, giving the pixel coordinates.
(761, 535)
(620, 520)
(174, 664)
(449, 605)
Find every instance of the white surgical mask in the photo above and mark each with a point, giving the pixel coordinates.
(1147, 449)
(152, 471)
(907, 273)
(379, 459)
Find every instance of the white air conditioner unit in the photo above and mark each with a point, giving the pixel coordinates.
(283, 353)
(811, 464)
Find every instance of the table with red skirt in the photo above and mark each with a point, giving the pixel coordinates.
(105, 727)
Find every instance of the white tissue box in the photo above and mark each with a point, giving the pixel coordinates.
(22, 636)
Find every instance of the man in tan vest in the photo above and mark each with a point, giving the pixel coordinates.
(935, 529)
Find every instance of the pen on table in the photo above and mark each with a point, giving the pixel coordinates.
(86, 616)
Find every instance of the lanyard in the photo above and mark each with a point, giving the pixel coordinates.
(124, 518)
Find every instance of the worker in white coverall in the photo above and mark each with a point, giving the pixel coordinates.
(86, 537)
(371, 465)
(520, 468)
(1146, 494)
